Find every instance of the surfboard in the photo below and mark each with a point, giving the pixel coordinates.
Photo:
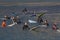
(12, 24)
(32, 21)
(33, 28)
(43, 25)
(58, 30)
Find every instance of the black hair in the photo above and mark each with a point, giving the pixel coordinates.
(4, 20)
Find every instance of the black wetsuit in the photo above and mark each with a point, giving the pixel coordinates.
(25, 10)
(46, 24)
(17, 20)
(25, 27)
(7, 17)
(40, 20)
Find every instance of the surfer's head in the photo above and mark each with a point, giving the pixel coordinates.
(5, 16)
(12, 17)
(17, 16)
(25, 23)
(55, 23)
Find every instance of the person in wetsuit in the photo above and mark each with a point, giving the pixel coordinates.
(54, 27)
(25, 26)
(25, 10)
(46, 23)
(40, 20)
(16, 19)
(4, 23)
(6, 17)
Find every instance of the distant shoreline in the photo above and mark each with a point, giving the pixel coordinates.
(29, 4)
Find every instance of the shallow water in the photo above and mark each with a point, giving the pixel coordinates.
(16, 33)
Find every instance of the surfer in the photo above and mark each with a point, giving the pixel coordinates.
(26, 26)
(46, 23)
(40, 20)
(24, 10)
(4, 23)
(54, 27)
(16, 19)
(6, 17)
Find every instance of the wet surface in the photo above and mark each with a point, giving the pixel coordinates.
(16, 33)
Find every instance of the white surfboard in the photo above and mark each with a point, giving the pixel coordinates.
(33, 28)
(32, 21)
(12, 24)
(43, 25)
(58, 30)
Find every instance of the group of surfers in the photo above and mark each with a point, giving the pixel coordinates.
(15, 19)
(54, 26)
(25, 26)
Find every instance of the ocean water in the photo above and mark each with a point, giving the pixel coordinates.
(30, 0)
(16, 33)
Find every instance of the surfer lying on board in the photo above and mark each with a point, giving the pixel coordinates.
(54, 27)
(25, 26)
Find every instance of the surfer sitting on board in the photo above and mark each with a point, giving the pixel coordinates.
(26, 26)
(40, 20)
(46, 23)
(24, 10)
(16, 19)
(54, 27)
(6, 17)
(4, 23)
(33, 13)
